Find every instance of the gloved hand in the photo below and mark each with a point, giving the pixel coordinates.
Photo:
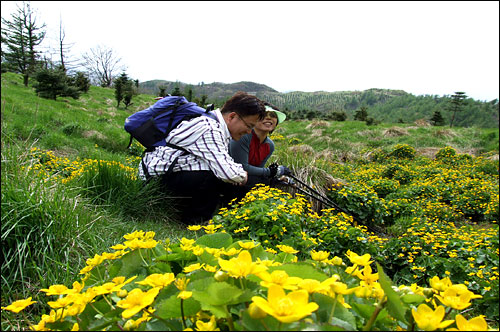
(278, 171)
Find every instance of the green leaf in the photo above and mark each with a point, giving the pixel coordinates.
(200, 284)
(219, 311)
(130, 264)
(413, 298)
(171, 307)
(341, 316)
(394, 306)
(342, 324)
(216, 240)
(160, 268)
(364, 310)
(219, 293)
(302, 270)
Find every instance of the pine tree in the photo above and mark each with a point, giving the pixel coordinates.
(129, 92)
(457, 104)
(22, 35)
(51, 83)
(361, 114)
(120, 83)
(437, 119)
(82, 82)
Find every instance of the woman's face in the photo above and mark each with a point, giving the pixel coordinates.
(269, 122)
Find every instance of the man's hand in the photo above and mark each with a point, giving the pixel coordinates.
(244, 181)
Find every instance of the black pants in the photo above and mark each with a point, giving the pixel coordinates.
(197, 194)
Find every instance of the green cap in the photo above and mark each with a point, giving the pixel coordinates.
(281, 116)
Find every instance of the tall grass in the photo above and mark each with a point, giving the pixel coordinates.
(116, 186)
(47, 229)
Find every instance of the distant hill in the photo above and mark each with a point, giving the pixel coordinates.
(383, 104)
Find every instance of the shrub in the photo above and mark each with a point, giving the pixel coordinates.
(446, 153)
(403, 151)
(277, 218)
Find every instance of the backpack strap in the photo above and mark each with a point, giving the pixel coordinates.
(130, 142)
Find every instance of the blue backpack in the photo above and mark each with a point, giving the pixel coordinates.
(151, 126)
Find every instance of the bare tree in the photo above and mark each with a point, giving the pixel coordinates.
(64, 48)
(102, 65)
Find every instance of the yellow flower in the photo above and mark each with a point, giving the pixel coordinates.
(138, 243)
(286, 308)
(428, 319)
(271, 250)
(210, 268)
(136, 300)
(198, 251)
(210, 229)
(181, 283)
(335, 261)
(363, 290)
(231, 252)
(185, 295)
(475, 324)
(134, 235)
(209, 326)
(19, 305)
(359, 260)
(55, 290)
(158, 280)
(279, 278)
(186, 244)
(247, 245)
(440, 285)
(455, 298)
(61, 302)
(194, 227)
(319, 255)
(255, 312)
(241, 266)
(287, 249)
(367, 276)
(312, 286)
(193, 267)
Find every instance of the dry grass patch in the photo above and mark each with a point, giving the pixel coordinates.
(317, 179)
(395, 132)
(422, 123)
(427, 152)
(318, 124)
(317, 133)
(93, 133)
(302, 149)
(445, 133)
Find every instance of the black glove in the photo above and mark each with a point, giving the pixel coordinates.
(278, 171)
(274, 169)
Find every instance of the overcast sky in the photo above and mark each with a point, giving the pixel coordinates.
(433, 47)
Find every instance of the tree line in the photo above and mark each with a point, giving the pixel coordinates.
(22, 36)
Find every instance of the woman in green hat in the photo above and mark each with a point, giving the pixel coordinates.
(253, 150)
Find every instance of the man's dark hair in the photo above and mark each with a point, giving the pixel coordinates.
(244, 104)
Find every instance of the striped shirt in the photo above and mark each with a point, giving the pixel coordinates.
(207, 141)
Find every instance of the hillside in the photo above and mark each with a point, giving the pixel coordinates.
(383, 104)
(92, 126)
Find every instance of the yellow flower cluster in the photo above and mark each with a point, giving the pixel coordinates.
(62, 169)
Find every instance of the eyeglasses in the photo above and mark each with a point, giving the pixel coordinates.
(246, 124)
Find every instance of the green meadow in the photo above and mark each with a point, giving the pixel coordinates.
(422, 204)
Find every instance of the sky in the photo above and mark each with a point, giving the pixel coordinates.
(423, 48)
